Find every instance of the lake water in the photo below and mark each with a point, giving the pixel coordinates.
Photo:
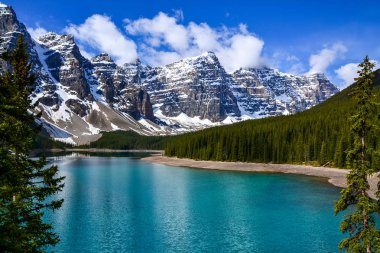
(121, 204)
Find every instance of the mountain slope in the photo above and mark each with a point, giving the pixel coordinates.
(319, 135)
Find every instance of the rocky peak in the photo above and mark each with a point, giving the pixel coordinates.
(52, 40)
(318, 77)
(8, 19)
(207, 59)
(276, 93)
(322, 88)
(65, 62)
(202, 70)
(10, 30)
(137, 62)
(64, 45)
(209, 56)
(134, 72)
(103, 58)
(107, 75)
(196, 86)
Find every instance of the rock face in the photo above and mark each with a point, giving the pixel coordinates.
(108, 76)
(65, 63)
(81, 97)
(197, 87)
(11, 29)
(137, 103)
(266, 91)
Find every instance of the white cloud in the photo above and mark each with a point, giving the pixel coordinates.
(203, 37)
(162, 27)
(85, 53)
(165, 40)
(347, 73)
(320, 62)
(37, 32)
(242, 51)
(101, 34)
(284, 61)
(296, 68)
(159, 58)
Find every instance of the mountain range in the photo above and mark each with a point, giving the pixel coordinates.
(79, 97)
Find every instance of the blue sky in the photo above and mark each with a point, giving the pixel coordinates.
(293, 36)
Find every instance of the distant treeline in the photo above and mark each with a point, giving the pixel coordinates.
(43, 142)
(317, 136)
(128, 140)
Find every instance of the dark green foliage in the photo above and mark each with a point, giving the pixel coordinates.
(318, 136)
(25, 184)
(44, 143)
(360, 222)
(128, 140)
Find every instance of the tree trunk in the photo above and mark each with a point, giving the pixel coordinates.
(365, 217)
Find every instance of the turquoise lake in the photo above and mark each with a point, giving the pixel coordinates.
(121, 204)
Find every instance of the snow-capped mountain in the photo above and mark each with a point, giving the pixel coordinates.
(199, 88)
(266, 91)
(81, 97)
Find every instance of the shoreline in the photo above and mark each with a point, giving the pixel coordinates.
(336, 177)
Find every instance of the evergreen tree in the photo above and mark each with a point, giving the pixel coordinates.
(360, 223)
(25, 184)
(323, 154)
(339, 154)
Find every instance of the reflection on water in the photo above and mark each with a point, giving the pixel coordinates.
(119, 204)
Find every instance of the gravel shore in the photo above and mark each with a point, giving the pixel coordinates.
(335, 176)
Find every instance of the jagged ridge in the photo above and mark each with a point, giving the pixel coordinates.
(81, 97)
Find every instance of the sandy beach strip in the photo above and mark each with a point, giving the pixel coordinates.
(335, 176)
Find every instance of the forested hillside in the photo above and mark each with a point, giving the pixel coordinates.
(317, 136)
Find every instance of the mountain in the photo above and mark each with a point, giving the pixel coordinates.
(266, 91)
(81, 97)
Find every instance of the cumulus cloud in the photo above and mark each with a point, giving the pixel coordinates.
(165, 40)
(85, 53)
(319, 62)
(101, 34)
(37, 32)
(162, 28)
(284, 61)
(347, 73)
(158, 58)
(203, 36)
(241, 51)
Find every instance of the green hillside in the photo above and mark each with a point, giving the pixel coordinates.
(42, 142)
(317, 136)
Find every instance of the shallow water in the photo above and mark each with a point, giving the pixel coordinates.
(119, 204)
